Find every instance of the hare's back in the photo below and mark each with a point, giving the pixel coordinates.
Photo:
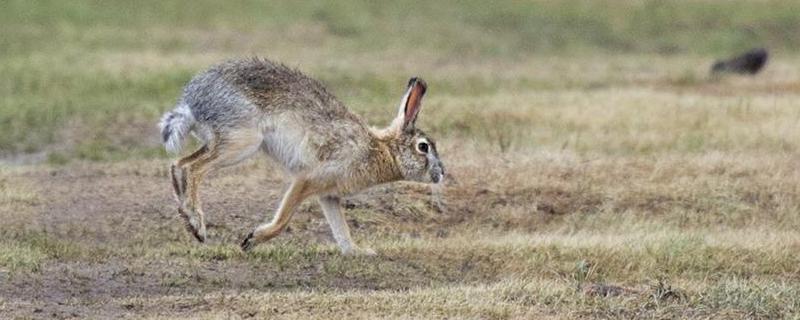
(274, 87)
(251, 87)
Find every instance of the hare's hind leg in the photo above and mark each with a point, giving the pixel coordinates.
(187, 173)
(180, 173)
(176, 171)
(224, 151)
(298, 191)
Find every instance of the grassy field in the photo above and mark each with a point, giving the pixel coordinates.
(597, 171)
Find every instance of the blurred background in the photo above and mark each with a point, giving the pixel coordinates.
(87, 80)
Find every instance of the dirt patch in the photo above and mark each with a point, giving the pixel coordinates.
(117, 221)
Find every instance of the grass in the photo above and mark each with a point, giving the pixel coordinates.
(496, 276)
(597, 171)
(690, 236)
(27, 252)
(83, 78)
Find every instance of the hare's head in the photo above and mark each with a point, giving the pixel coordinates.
(414, 152)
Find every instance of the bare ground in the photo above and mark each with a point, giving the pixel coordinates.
(552, 236)
(110, 217)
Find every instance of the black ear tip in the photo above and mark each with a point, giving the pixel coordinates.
(419, 81)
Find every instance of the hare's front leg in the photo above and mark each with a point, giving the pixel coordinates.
(298, 191)
(341, 232)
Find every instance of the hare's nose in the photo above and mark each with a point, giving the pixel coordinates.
(437, 174)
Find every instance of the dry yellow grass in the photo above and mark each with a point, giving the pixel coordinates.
(521, 234)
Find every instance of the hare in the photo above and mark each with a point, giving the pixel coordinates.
(241, 107)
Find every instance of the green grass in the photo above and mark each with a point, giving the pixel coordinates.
(82, 78)
(29, 251)
(517, 27)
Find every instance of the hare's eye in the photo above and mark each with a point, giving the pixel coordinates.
(423, 147)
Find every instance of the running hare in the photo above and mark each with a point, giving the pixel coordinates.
(240, 107)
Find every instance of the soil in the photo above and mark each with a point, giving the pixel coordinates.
(111, 218)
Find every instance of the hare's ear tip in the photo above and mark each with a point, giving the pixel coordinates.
(417, 81)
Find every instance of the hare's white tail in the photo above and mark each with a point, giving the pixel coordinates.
(175, 125)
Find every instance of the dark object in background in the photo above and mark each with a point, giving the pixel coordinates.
(750, 62)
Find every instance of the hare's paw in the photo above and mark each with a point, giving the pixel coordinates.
(193, 225)
(248, 243)
(199, 233)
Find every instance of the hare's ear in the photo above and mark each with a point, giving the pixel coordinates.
(410, 105)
